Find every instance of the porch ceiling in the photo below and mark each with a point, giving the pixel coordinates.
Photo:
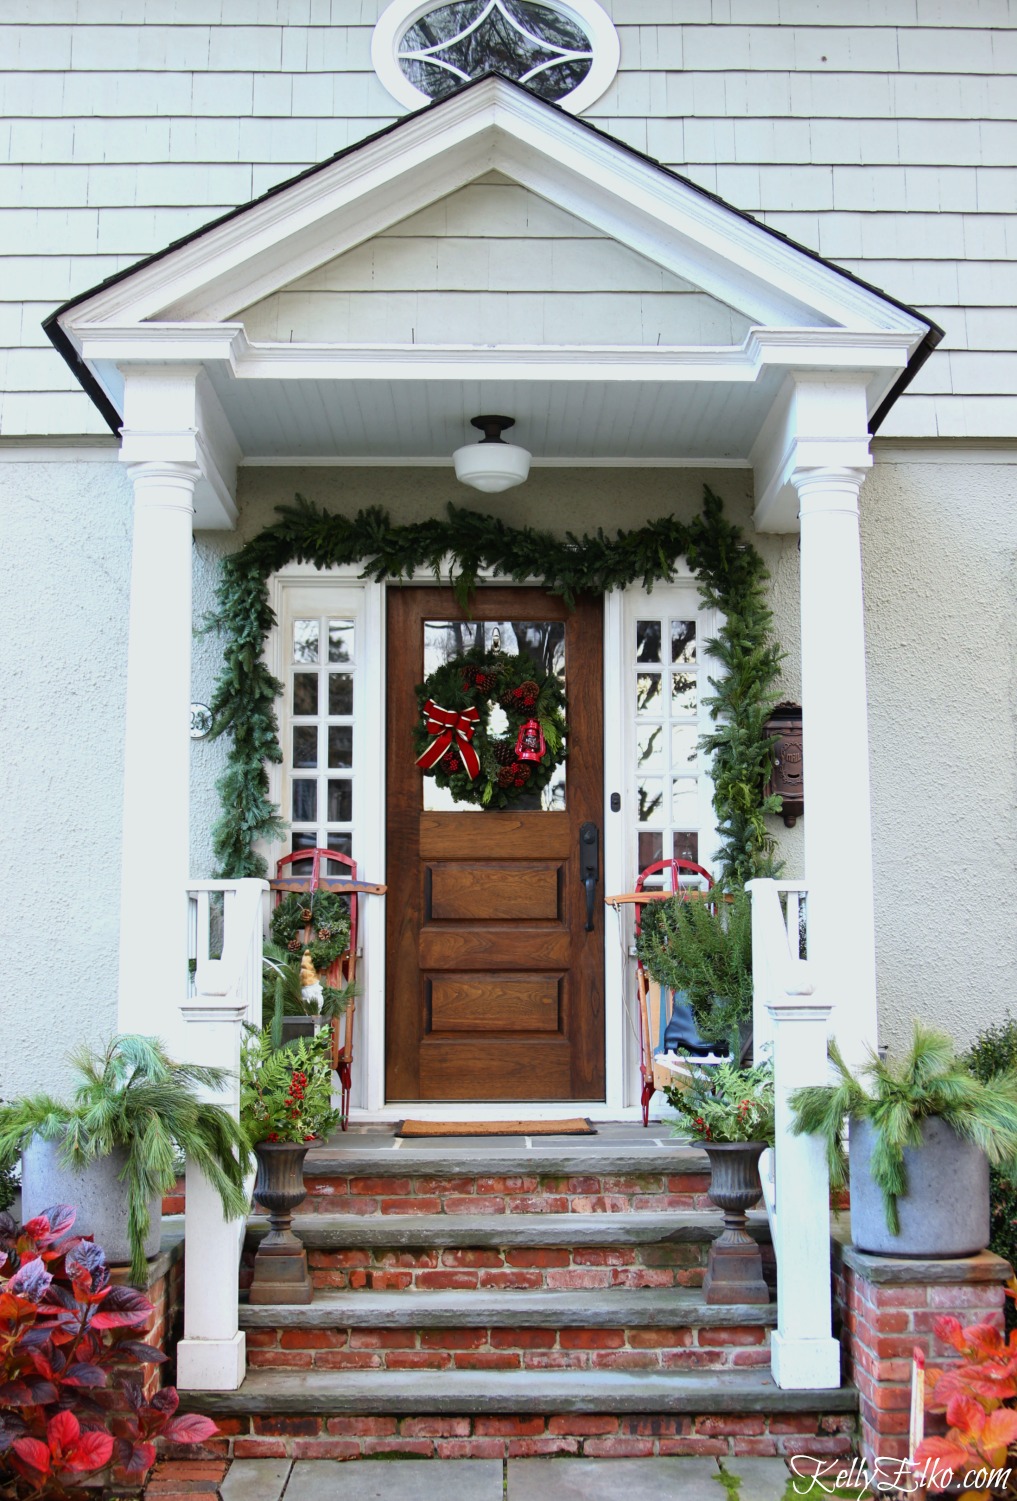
(403, 420)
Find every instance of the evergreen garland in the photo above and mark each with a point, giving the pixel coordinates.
(731, 576)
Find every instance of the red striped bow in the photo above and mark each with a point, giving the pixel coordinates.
(453, 730)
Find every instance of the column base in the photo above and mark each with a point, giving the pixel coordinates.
(212, 1365)
(805, 1364)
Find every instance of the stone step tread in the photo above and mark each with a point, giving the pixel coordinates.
(609, 1308)
(459, 1392)
(354, 1231)
(453, 1161)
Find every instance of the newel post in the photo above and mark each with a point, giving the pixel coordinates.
(212, 1355)
(804, 1352)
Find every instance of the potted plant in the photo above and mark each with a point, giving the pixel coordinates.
(700, 947)
(729, 1111)
(285, 1105)
(114, 1149)
(922, 1135)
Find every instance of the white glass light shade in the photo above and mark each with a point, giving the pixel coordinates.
(491, 466)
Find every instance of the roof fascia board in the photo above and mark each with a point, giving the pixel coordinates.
(110, 349)
(283, 237)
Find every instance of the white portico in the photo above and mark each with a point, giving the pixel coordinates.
(783, 365)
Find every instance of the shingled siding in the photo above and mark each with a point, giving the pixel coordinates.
(883, 137)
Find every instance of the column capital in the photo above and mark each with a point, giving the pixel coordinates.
(829, 488)
(164, 485)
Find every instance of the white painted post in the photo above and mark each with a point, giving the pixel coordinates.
(762, 1026)
(153, 903)
(804, 1354)
(838, 847)
(212, 1355)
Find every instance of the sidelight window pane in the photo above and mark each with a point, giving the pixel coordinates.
(648, 696)
(340, 693)
(650, 747)
(305, 641)
(305, 801)
(305, 745)
(683, 641)
(340, 745)
(340, 801)
(647, 640)
(305, 693)
(340, 641)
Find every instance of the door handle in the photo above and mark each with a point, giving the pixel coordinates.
(589, 866)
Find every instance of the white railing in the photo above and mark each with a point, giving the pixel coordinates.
(225, 993)
(790, 1023)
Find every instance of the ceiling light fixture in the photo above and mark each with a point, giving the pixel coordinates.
(492, 464)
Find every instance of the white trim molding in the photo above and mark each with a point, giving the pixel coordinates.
(591, 18)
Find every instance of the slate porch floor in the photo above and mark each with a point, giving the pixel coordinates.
(515, 1480)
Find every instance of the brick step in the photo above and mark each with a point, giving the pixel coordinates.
(398, 1253)
(617, 1330)
(491, 1414)
(422, 1191)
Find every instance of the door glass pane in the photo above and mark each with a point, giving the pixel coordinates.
(340, 801)
(341, 843)
(543, 641)
(305, 801)
(686, 846)
(684, 748)
(340, 693)
(683, 693)
(650, 747)
(305, 693)
(650, 800)
(340, 745)
(305, 745)
(684, 802)
(651, 848)
(647, 640)
(340, 641)
(648, 700)
(305, 641)
(683, 641)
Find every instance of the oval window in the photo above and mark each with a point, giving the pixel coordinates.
(567, 54)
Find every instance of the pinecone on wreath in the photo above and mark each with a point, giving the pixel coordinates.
(504, 753)
(306, 914)
(528, 693)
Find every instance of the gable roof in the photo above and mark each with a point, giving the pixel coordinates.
(255, 249)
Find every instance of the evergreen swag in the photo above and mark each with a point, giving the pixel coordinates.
(478, 680)
(731, 577)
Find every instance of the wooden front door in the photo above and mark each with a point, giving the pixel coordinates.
(495, 986)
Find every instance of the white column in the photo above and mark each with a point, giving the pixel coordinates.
(153, 902)
(212, 1356)
(804, 1354)
(838, 847)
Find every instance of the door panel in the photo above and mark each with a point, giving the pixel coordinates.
(495, 988)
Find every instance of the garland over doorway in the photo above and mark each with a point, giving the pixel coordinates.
(731, 576)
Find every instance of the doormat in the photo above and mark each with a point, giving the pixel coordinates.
(577, 1125)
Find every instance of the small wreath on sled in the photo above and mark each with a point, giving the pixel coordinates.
(453, 740)
(325, 913)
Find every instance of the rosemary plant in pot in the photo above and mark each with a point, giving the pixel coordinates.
(285, 1106)
(701, 948)
(729, 1112)
(113, 1150)
(922, 1134)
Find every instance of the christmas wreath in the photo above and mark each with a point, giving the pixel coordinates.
(317, 922)
(453, 740)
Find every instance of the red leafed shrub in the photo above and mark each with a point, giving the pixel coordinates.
(977, 1396)
(69, 1407)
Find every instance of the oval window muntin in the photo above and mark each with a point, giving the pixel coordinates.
(588, 15)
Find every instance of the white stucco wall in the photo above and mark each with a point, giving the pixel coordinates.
(65, 545)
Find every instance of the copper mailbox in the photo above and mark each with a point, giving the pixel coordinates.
(785, 726)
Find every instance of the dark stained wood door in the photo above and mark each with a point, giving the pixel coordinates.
(495, 988)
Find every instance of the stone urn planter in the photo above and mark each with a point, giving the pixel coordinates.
(734, 1272)
(945, 1212)
(280, 1267)
(97, 1193)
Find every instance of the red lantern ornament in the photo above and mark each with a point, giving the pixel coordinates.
(530, 744)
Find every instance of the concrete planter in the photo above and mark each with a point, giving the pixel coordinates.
(96, 1193)
(945, 1211)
